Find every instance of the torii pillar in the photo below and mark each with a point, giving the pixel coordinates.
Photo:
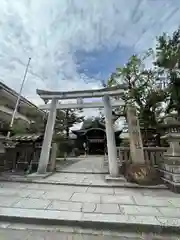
(111, 144)
(46, 147)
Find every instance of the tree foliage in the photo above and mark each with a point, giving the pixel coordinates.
(19, 127)
(142, 90)
(65, 120)
(150, 98)
(168, 60)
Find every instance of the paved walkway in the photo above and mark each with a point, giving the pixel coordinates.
(81, 171)
(90, 164)
(33, 232)
(13, 233)
(89, 205)
(86, 179)
(89, 171)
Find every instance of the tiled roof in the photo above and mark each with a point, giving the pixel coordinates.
(27, 137)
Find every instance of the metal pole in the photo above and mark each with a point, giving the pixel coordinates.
(18, 99)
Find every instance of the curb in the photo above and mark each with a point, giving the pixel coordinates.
(120, 185)
(96, 225)
(64, 171)
(44, 176)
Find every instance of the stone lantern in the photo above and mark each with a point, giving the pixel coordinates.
(170, 165)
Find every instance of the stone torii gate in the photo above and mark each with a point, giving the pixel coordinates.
(104, 94)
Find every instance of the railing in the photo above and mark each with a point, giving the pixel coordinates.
(152, 155)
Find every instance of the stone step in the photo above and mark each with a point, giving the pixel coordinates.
(123, 223)
(64, 232)
(122, 182)
(121, 179)
(83, 172)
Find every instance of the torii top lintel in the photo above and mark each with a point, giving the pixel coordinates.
(93, 93)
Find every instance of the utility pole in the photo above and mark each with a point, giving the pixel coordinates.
(18, 99)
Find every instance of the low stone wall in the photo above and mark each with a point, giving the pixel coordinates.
(153, 155)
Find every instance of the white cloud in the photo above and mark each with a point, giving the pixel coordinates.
(52, 31)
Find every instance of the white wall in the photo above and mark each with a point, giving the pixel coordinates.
(8, 112)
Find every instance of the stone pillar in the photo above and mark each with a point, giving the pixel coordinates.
(111, 144)
(46, 147)
(136, 145)
(137, 170)
(52, 164)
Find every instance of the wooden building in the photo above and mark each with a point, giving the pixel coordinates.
(93, 133)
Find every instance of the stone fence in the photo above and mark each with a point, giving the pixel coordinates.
(153, 155)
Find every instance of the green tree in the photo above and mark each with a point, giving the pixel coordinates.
(66, 119)
(142, 89)
(19, 127)
(168, 61)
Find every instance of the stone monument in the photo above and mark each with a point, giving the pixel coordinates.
(136, 145)
(137, 170)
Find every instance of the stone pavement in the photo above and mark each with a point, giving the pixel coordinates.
(89, 171)
(7, 234)
(10, 231)
(88, 179)
(68, 178)
(90, 164)
(79, 171)
(92, 206)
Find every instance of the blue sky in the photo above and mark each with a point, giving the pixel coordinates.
(74, 44)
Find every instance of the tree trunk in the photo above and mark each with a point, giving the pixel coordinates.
(67, 126)
(67, 132)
